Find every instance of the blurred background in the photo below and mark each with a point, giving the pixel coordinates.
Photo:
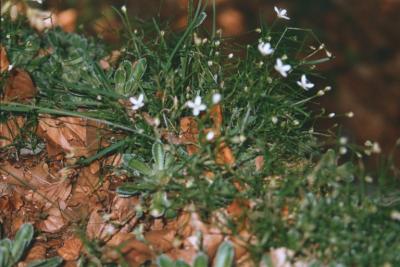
(363, 35)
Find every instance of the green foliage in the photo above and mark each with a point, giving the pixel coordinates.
(11, 252)
(223, 258)
(334, 215)
(225, 255)
(127, 77)
(51, 262)
(153, 180)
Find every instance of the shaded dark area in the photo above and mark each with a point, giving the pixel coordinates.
(362, 35)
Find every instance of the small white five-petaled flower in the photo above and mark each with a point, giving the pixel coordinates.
(196, 106)
(281, 13)
(137, 103)
(282, 68)
(216, 98)
(304, 83)
(265, 49)
(210, 136)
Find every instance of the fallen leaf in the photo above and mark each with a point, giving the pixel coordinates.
(160, 240)
(189, 134)
(134, 251)
(99, 228)
(224, 155)
(186, 255)
(37, 252)
(19, 86)
(67, 19)
(216, 117)
(259, 161)
(54, 221)
(71, 249)
(123, 209)
(4, 63)
(10, 129)
(75, 136)
(41, 20)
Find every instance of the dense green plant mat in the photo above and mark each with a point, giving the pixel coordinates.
(305, 196)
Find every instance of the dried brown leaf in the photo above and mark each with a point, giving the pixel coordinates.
(4, 63)
(67, 19)
(71, 249)
(224, 155)
(10, 129)
(189, 134)
(134, 251)
(37, 252)
(187, 255)
(75, 136)
(161, 240)
(19, 86)
(123, 209)
(259, 161)
(54, 221)
(99, 228)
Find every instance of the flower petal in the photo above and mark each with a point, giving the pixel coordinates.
(197, 100)
(190, 104)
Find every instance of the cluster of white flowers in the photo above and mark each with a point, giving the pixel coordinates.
(372, 148)
(343, 142)
(283, 69)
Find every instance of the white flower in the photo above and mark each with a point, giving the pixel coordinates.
(282, 68)
(350, 114)
(196, 106)
(376, 148)
(368, 179)
(274, 120)
(395, 215)
(265, 49)
(281, 13)
(321, 93)
(110, 229)
(343, 140)
(137, 103)
(123, 8)
(210, 135)
(216, 98)
(281, 257)
(156, 212)
(331, 115)
(38, 1)
(209, 63)
(304, 83)
(10, 67)
(230, 56)
(343, 150)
